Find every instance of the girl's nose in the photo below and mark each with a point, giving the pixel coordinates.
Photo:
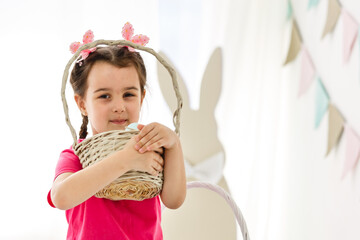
(119, 107)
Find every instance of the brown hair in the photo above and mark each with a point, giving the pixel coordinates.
(117, 56)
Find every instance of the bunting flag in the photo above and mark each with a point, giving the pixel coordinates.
(295, 43)
(352, 149)
(322, 102)
(289, 10)
(349, 35)
(333, 14)
(313, 3)
(336, 127)
(307, 72)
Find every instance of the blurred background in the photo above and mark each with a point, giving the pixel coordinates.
(275, 120)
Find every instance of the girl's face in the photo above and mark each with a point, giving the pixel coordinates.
(113, 98)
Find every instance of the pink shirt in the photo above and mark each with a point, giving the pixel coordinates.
(99, 218)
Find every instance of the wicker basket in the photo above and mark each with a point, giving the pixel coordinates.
(133, 185)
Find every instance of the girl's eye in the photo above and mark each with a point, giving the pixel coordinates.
(128, 95)
(104, 96)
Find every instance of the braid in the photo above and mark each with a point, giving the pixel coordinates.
(83, 131)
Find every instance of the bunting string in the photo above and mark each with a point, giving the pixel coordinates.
(338, 127)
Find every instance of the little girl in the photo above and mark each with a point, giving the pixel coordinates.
(109, 91)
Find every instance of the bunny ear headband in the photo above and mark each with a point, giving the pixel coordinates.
(127, 33)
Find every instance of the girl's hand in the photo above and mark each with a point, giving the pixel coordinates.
(155, 136)
(150, 162)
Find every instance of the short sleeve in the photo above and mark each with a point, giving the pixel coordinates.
(68, 162)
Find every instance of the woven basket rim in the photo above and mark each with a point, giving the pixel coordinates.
(98, 135)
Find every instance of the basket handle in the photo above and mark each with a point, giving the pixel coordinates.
(230, 201)
(176, 116)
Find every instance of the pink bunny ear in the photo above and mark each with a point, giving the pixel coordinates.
(140, 39)
(88, 37)
(127, 31)
(74, 47)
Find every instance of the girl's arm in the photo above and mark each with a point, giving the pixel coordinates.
(71, 189)
(174, 188)
(154, 136)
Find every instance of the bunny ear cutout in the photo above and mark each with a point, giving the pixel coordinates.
(167, 87)
(211, 82)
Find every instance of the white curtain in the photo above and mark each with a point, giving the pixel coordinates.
(253, 112)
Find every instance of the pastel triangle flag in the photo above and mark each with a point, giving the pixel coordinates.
(333, 14)
(295, 43)
(313, 3)
(349, 35)
(321, 101)
(307, 72)
(336, 127)
(352, 149)
(289, 10)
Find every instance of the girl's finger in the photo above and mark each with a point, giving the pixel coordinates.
(144, 131)
(159, 150)
(140, 126)
(153, 171)
(152, 142)
(157, 167)
(160, 160)
(143, 142)
(159, 143)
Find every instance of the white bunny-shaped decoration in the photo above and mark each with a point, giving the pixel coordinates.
(204, 215)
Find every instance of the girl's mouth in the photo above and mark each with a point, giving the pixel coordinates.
(119, 121)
